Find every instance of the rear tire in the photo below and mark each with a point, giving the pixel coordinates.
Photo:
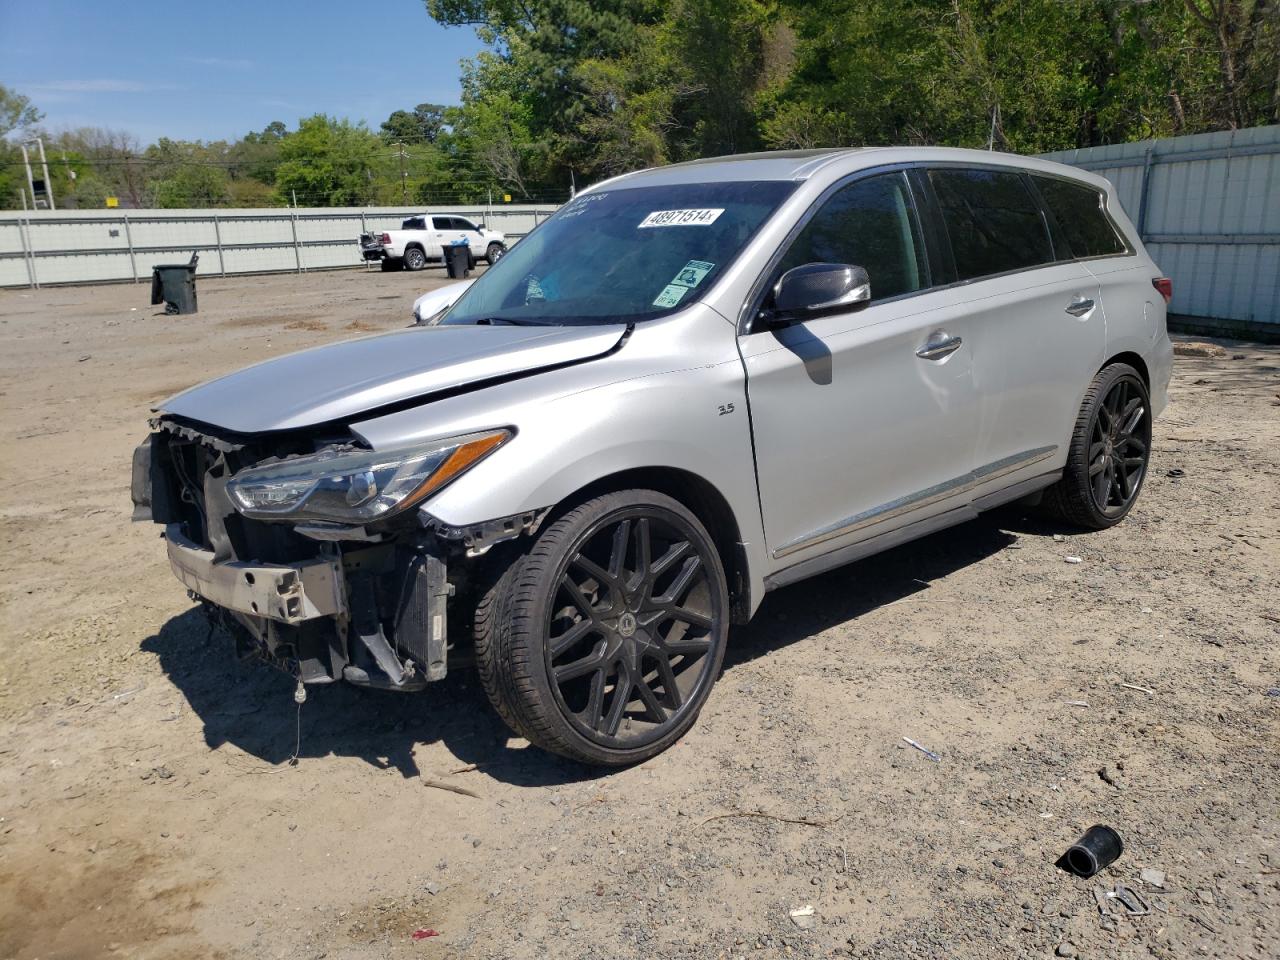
(414, 259)
(1109, 452)
(602, 642)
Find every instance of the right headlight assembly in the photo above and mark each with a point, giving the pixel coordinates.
(357, 486)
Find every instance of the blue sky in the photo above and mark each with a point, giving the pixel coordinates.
(216, 70)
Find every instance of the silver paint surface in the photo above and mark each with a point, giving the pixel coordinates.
(800, 430)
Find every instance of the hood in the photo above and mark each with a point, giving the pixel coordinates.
(340, 380)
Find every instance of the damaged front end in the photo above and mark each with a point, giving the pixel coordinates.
(313, 550)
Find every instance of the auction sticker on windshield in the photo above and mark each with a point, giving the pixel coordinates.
(681, 218)
(670, 295)
(691, 273)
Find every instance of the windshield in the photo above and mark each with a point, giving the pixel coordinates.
(621, 255)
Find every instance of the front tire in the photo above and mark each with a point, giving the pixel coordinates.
(1109, 453)
(494, 253)
(602, 642)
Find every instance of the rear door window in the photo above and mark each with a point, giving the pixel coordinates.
(442, 223)
(414, 223)
(1080, 213)
(872, 224)
(993, 221)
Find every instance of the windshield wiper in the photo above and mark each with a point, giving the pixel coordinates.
(512, 321)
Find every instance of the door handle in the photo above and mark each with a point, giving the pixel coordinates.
(939, 345)
(1080, 306)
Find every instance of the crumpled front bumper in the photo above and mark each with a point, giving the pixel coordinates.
(288, 593)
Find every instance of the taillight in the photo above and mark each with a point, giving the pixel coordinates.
(1165, 286)
(386, 238)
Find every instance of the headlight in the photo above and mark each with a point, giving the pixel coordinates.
(357, 486)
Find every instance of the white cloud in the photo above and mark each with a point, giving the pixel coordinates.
(223, 62)
(100, 85)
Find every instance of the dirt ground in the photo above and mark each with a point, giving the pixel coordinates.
(148, 808)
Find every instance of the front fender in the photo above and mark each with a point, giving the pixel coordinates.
(581, 424)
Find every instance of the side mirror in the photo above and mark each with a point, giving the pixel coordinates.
(479, 226)
(815, 288)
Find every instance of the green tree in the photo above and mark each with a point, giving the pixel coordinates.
(327, 162)
(725, 54)
(424, 124)
(184, 174)
(16, 112)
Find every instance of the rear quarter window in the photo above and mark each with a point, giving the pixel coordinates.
(1080, 212)
(993, 221)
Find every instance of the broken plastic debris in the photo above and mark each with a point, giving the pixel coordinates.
(1130, 901)
(422, 933)
(925, 750)
(1134, 686)
(1073, 559)
(803, 917)
(1152, 878)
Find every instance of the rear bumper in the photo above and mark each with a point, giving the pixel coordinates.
(287, 593)
(1161, 371)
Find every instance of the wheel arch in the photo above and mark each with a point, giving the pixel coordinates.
(1134, 360)
(703, 499)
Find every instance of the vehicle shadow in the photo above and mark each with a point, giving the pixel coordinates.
(252, 706)
(846, 593)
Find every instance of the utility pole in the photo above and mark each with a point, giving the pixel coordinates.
(44, 166)
(26, 162)
(404, 177)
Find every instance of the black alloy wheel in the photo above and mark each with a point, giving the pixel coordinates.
(603, 642)
(1118, 447)
(1109, 452)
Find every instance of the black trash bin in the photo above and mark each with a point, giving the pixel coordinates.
(457, 260)
(174, 285)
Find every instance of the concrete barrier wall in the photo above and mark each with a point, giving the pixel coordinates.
(95, 246)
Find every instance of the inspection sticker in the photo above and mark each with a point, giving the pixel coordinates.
(691, 273)
(681, 218)
(670, 295)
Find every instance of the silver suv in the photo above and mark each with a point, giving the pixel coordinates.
(688, 387)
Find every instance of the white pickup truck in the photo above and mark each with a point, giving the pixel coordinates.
(421, 239)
